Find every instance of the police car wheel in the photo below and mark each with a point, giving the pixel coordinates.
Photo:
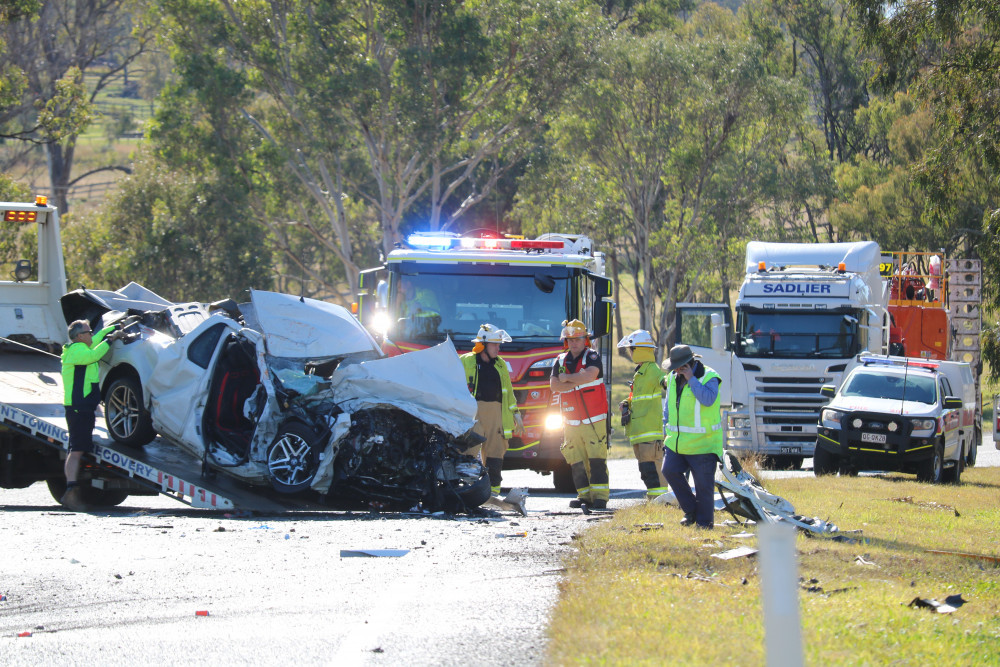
(932, 469)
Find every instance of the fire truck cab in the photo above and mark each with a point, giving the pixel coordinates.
(444, 285)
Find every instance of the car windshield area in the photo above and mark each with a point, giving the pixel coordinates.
(796, 334)
(432, 305)
(872, 384)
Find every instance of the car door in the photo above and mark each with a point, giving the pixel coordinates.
(952, 422)
(180, 380)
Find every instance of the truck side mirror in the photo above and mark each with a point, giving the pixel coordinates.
(718, 333)
(952, 403)
(603, 306)
(382, 294)
(828, 390)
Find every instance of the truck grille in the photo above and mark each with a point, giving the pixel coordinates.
(786, 411)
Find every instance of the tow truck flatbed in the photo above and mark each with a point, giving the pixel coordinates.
(31, 411)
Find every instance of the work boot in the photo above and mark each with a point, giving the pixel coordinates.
(688, 520)
(599, 505)
(73, 499)
(577, 503)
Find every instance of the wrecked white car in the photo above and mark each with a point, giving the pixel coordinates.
(290, 392)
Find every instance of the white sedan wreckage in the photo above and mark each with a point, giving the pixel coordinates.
(290, 392)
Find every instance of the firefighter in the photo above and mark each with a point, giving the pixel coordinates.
(583, 400)
(497, 417)
(642, 411)
(693, 423)
(81, 398)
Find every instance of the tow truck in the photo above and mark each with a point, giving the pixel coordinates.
(446, 285)
(33, 435)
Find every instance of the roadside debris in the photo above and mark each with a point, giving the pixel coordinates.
(991, 559)
(514, 501)
(521, 534)
(373, 553)
(928, 504)
(203, 612)
(24, 634)
(738, 552)
(860, 560)
(950, 604)
(812, 586)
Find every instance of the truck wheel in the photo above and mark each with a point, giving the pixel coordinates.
(562, 479)
(91, 495)
(292, 458)
(128, 420)
(825, 462)
(932, 469)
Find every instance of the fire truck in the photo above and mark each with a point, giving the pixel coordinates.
(444, 285)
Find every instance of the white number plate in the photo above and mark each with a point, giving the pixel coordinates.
(873, 437)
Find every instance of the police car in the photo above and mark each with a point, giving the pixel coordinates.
(894, 413)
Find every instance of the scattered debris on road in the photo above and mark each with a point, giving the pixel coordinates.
(950, 604)
(373, 553)
(738, 552)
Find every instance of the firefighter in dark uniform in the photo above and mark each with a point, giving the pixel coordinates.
(81, 398)
(583, 401)
(497, 418)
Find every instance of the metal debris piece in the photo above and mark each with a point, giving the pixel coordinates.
(373, 553)
(929, 504)
(738, 552)
(860, 560)
(992, 559)
(521, 534)
(950, 604)
(512, 502)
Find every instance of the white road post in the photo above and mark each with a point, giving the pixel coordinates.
(779, 570)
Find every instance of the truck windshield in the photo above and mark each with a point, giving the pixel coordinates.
(433, 305)
(796, 334)
(879, 385)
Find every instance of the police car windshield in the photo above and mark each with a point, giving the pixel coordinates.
(876, 384)
(429, 305)
(796, 335)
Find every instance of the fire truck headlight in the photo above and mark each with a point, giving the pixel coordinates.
(553, 421)
(380, 323)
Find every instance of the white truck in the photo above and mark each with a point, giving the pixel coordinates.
(803, 315)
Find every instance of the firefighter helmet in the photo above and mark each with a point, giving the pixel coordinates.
(638, 338)
(573, 329)
(491, 334)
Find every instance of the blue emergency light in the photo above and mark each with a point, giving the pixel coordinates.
(432, 240)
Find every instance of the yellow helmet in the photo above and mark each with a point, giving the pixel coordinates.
(573, 329)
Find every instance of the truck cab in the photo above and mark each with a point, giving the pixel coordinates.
(446, 286)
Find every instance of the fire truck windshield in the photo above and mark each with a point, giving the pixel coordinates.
(796, 334)
(435, 305)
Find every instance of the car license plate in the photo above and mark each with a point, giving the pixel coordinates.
(791, 450)
(873, 437)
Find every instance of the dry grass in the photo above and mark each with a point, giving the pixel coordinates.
(643, 590)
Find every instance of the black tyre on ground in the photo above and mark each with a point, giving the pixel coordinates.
(562, 479)
(932, 469)
(825, 462)
(977, 438)
(129, 423)
(93, 496)
(292, 458)
(475, 493)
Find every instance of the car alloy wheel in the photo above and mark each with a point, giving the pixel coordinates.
(291, 458)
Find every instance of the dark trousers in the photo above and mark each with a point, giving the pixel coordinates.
(80, 424)
(700, 504)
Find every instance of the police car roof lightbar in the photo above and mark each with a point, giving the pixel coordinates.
(899, 362)
(447, 240)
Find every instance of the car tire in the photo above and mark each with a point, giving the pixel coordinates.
(977, 438)
(129, 422)
(932, 469)
(92, 496)
(562, 479)
(292, 458)
(475, 494)
(825, 462)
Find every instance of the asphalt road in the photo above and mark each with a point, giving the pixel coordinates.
(126, 586)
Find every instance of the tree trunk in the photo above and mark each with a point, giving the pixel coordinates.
(60, 164)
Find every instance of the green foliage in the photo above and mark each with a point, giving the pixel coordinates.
(17, 240)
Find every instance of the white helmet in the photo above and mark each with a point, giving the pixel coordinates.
(490, 334)
(638, 338)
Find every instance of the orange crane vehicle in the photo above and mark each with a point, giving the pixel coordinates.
(442, 285)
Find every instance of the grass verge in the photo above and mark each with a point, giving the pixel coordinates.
(643, 590)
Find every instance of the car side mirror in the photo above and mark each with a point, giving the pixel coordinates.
(952, 403)
(828, 390)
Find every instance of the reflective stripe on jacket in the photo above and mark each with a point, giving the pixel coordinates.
(587, 403)
(646, 403)
(80, 373)
(693, 428)
(508, 405)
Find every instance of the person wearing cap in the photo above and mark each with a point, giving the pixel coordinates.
(497, 417)
(82, 395)
(642, 410)
(583, 401)
(693, 423)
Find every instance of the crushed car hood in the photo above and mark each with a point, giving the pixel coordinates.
(429, 384)
(85, 304)
(301, 328)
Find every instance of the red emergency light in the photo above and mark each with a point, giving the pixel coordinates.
(534, 245)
